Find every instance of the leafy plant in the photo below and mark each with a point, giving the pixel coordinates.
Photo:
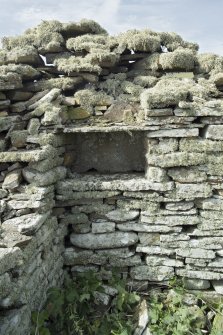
(75, 310)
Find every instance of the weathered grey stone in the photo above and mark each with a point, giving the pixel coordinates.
(26, 224)
(164, 261)
(67, 194)
(101, 226)
(192, 191)
(33, 126)
(81, 228)
(142, 317)
(196, 253)
(7, 122)
(28, 155)
(5, 285)
(200, 145)
(215, 204)
(150, 239)
(130, 204)
(122, 215)
(48, 97)
(217, 263)
(84, 268)
(156, 174)
(79, 257)
(119, 252)
(75, 218)
(174, 237)
(44, 179)
(10, 258)
(102, 241)
(4, 104)
(214, 132)
(180, 206)
(158, 112)
(128, 261)
(12, 180)
(177, 159)
(164, 146)
(218, 286)
(155, 273)
(173, 220)
(155, 250)
(196, 284)
(101, 298)
(106, 182)
(207, 275)
(141, 227)
(18, 138)
(170, 120)
(193, 132)
(46, 164)
(187, 175)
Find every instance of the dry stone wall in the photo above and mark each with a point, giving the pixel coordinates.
(111, 156)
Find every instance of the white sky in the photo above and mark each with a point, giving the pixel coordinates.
(195, 20)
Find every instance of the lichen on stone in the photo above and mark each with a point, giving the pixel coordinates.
(86, 42)
(140, 40)
(90, 98)
(179, 59)
(173, 41)
(25, 71)
(150, 63)
(209, 63)
(167, 92)
(84, 26)
(145, 81)
(77, 64)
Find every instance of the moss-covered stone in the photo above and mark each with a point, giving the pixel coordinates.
(90, 98)
(167, 92)
(179, 59)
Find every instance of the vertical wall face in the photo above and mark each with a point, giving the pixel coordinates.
(147, 123)
(156, 225)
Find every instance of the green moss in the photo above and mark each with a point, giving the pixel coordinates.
(179, 59)
(84, 26)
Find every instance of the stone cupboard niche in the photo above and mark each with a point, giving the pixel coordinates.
(116, 152)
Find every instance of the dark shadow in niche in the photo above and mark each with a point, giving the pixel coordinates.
(117, 152)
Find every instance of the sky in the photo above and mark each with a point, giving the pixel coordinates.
(195, 20)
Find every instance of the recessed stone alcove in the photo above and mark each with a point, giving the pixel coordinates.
(107, 152)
